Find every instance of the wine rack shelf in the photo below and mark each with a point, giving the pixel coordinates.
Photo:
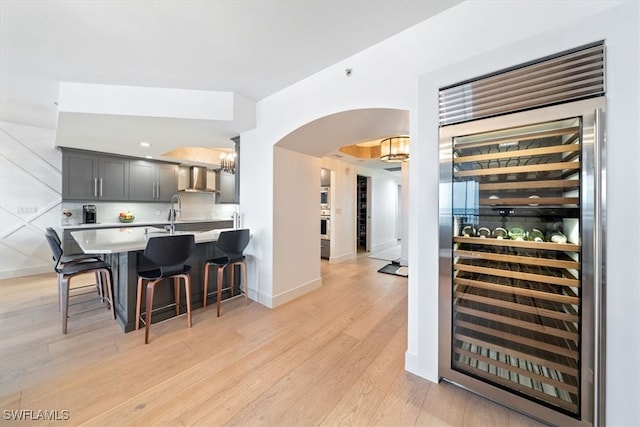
(517, 299)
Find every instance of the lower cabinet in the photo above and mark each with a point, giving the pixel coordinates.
(325, 248)
(204, 226)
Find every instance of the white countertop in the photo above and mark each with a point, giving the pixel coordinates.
(127, 239)
(139, 223)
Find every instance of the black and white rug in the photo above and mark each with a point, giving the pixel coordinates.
(395, 269)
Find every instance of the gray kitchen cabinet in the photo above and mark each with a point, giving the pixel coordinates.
(226, 185)
(167, 176)
(204, 226)
(93, 176)
(152, 181)
(325, 248)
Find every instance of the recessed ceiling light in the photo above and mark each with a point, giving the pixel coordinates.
(145, 144)
(148, 157)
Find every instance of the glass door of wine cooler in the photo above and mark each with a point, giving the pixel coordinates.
(517, 260)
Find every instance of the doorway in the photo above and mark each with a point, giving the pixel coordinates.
(363, 213)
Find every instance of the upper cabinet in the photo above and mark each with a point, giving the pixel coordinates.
(93, 176)
(228, 184)
(152, 181)
(325, 177)
(88, 176)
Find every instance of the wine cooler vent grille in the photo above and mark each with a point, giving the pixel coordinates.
(569, 76)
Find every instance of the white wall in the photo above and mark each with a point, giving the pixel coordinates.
(296, 255)
(500, 34)
(296, 226)
(404, 220)
(30, 169)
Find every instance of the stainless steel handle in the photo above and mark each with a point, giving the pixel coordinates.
(599, 178)
(95, 187)
(153, 190)
(100, 187)
(157, 190)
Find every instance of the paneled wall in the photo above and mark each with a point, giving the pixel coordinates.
(30, 197)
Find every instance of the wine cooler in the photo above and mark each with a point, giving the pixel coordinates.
(521, 223)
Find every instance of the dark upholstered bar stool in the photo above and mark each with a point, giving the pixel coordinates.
(169, 254)
(66, 259)
(69, 258)
(232, 244)
(74, 267)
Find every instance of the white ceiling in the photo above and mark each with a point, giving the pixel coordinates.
(251, 48)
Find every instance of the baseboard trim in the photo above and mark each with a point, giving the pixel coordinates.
(21, 272)
(274, 301)
(414, 365)
(341, 258)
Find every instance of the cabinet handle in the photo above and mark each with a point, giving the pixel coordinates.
(100, 187)
(95, 187)
(153, 190)
(157, 190)
(599, 177)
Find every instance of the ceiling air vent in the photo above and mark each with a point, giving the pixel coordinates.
(568, 76)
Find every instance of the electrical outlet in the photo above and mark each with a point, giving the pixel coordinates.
(27, 209)
(157, 212)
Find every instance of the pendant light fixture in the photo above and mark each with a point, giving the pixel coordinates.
(394, 149)
(228, 162)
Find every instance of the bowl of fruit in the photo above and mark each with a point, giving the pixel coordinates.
(126, 217)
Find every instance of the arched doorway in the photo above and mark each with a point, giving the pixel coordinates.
(298, 158)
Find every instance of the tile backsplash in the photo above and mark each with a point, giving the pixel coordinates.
(195, 206)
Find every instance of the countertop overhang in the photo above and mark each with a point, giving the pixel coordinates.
(128, 239)
(139, 223)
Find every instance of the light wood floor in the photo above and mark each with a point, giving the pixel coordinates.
(332, 357)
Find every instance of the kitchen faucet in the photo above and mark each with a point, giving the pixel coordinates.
(173, 211)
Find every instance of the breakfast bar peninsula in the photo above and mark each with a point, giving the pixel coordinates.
(123, 249)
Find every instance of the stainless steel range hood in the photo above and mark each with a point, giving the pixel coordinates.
(198, 182)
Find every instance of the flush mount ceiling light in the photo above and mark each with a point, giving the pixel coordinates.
(145, 144)
(394, 149)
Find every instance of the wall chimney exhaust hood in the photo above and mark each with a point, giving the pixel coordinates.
(198, 182)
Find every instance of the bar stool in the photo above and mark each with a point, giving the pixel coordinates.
(232, 244)
(74, 267)
(66, 259)
(69, 258)
(168, 253)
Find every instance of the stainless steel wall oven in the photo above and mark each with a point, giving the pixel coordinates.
(325, 227)
(521, 224)
(324, 198)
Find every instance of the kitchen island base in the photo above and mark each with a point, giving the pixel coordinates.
(123, 249)
(125, 266)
